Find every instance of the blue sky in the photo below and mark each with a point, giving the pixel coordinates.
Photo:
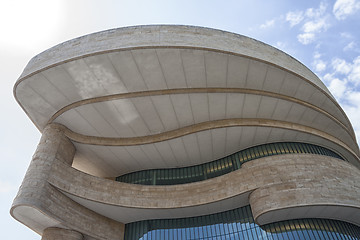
(323, 35)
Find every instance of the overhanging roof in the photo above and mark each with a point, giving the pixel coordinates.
(144, 81)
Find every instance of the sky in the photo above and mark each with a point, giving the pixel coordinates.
(323, 35)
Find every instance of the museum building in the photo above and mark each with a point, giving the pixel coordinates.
(183, 132)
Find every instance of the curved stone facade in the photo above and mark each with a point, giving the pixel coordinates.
(274, 183)
(58, 233)
(41, 206)
(154, 97)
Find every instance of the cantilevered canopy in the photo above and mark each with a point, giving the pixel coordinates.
(169, 96)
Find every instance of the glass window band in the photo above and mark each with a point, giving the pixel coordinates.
(239, 224)
(221, 166)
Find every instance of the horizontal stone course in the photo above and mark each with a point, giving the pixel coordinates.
(276, 181)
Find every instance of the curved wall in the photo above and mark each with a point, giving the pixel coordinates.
(293, 181)
(146, 97)
(40, 206)
(300, 180)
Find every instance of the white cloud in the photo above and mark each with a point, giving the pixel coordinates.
(317, 55)
(350, 46)
(346, 35)
(355, 71)
(352, 109)
(319, 65)
(294, 18)
(268, 24)
(315, 21)
(337, 87)
(341, 66)
(343, 8)
(316, 26)
(316, 13)
(354, 97)
(306, 38)
(353, 113)
(351, 70)
(343, 83)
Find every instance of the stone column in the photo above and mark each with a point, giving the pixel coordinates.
(53, 146)
(32, 200)
(61, 234)
(42, 207)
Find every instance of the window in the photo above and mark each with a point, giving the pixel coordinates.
(221, 166)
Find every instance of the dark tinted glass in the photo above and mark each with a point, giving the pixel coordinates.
(221, 166)
(239, 224)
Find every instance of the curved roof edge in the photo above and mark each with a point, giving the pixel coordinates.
(163, 35)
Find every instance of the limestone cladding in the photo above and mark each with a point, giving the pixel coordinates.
(277, 183)
(162, 35)
(40, 206)
(59, 233)
(60, 202)
(281, 187)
